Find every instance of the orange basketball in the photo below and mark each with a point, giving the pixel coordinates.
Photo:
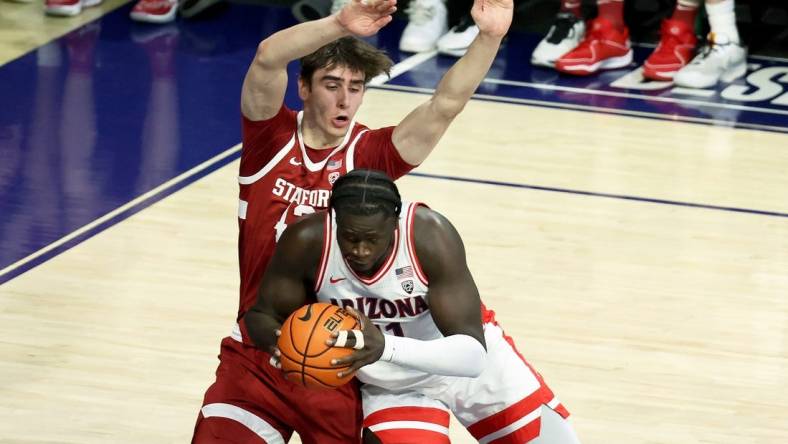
(306, 359)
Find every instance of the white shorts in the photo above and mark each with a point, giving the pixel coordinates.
(502, 405)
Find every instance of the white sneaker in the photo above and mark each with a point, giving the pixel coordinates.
(459, 38)
(564, 35)
(720, 59)
(337, 5)
(68, 8)
(154, 11)
(427, 22)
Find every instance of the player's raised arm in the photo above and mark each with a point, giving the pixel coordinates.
(266, 80)
(284, 286)
(420, 131)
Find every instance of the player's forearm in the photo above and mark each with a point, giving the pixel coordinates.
(298, 41)
(262, 328)
(455, 355)
(461, 81)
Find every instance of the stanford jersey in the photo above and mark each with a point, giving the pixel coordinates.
(281, 180)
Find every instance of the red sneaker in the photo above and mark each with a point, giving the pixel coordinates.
(155, 11)
(604, 47)
(676, 47)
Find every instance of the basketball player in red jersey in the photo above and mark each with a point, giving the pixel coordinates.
(401, 267)
(289, 162)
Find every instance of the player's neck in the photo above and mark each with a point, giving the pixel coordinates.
(316, 138)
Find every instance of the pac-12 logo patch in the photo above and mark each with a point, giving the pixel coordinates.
(333, 177)
(407, 285)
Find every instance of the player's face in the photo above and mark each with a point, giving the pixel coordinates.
(365, 241)
(332, 99)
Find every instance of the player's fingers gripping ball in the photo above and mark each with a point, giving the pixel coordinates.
(305, 356)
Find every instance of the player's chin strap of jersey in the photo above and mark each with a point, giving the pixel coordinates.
(455, 355)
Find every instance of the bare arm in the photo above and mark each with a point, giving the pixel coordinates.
(453, 297)
(266, 80)
(287, 280)
(420, 131)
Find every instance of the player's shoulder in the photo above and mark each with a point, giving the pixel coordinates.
(435, 239)
(285, 120)
(371, 135)
(431, 226)
(427, 218)
(305, 233)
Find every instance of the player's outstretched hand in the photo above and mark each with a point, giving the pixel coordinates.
(493, 17)
(365, 17)
(367, 352)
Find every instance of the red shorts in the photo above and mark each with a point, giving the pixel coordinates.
(251, 402)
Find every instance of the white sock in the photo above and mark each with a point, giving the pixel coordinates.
(722, 19)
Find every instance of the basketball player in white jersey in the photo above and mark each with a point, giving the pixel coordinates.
(401, 267)
(289, 162)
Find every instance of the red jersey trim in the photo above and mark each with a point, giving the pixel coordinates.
(520, 409)
(327, 237)
(408, 413)
(246, 180)
(411, 242)
(383, 269)
(528, 406)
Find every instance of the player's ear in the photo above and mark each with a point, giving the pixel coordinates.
(304, 88)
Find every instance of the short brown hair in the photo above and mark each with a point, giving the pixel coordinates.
(352, 52)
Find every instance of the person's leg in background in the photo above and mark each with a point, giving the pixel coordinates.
(427, 22)
(676, 45)
(564, 35)
(722, 58)
(605, 46)
(458, 39)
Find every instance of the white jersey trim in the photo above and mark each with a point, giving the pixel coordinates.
(396, 425)
(242, 207)
(411, 242)
(317, 166)
(351, 153)
(251, 421)
(246, 180)
(328, 236)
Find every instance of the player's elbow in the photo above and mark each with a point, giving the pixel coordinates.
(447, 107)
(477, 361)
(265, 57)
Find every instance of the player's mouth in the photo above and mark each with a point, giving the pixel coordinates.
(358, 266)
(340, 121)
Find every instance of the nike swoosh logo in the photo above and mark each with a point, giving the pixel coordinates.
(307, 315)
(295, 162)
(335, 280)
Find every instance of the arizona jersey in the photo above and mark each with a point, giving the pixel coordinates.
(281, 180)
(395, 298)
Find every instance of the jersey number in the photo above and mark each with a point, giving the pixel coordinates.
(395, 327)
(298, 211)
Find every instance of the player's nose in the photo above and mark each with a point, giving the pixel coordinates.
(342, 99)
